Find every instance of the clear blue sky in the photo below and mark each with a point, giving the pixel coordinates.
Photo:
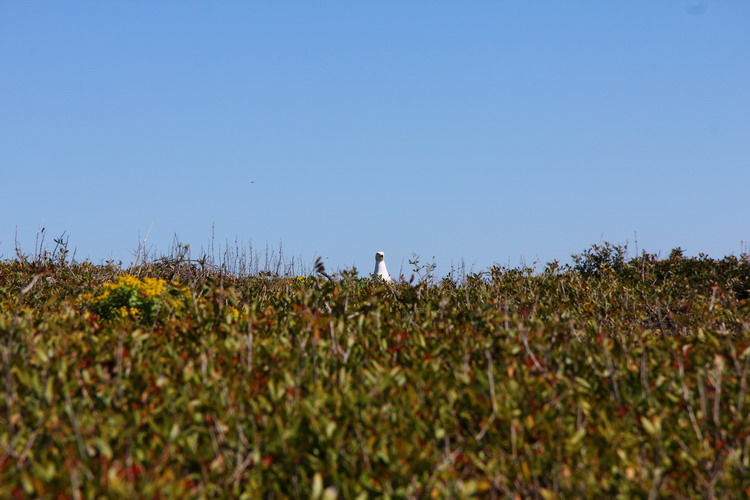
(488, 131)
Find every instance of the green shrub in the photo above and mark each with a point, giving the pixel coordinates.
(140, 299)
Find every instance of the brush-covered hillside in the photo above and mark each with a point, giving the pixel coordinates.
(610, 377)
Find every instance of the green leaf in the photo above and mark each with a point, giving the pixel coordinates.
(577, 437)
(103, 447)
(317, 486)
(174, 431)
(653, 427)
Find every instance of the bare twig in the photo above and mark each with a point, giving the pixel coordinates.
(531, 354)
(686, 397)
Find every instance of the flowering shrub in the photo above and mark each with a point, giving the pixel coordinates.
(140, 299)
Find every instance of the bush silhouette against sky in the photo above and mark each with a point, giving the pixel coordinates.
(484, 131)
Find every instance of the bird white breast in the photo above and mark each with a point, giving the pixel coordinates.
(380, 269)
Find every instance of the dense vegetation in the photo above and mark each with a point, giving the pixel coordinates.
(612, 376)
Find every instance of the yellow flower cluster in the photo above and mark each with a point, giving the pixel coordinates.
(126, 312)
(141, 299)
(232, 312)
(153, 287)
(149, 287)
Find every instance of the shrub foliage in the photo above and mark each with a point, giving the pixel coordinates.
(611, 377)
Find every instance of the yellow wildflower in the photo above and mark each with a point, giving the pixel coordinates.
(130, 296)
(232, 312)
(153, 287)
(126, 312)
(128, 280)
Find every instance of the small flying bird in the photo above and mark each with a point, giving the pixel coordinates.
(380, 270)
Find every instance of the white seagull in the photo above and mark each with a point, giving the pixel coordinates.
(380, 270)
